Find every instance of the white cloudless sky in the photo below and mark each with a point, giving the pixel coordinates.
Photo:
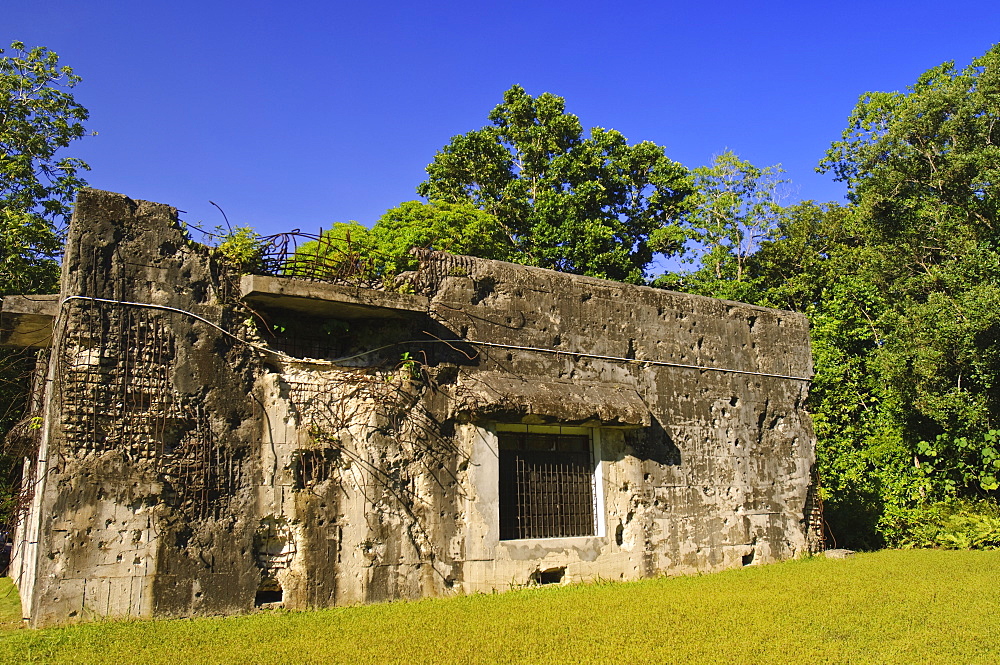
(301, 114)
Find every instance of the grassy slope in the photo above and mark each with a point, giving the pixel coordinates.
(893, 606)
(10, 606)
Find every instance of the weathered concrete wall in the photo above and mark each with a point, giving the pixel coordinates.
(357, 460)
(701, 470)
(722, 470)
(147, 431)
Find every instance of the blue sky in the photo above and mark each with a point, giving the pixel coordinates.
(301, 114)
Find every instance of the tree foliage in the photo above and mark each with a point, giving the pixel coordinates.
(902, 289)
(38, 117)
(922, 169)
(923, 163)
(903, 292)
(734, 207)
(383, 251)
(591, 205)
(459, 228)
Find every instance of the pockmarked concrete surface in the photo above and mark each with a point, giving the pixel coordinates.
(212, 443)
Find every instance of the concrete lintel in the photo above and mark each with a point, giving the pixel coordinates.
(318, 299)
(538, 401)
(26, 321)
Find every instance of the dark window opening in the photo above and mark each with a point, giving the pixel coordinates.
(268, 593)
(550, 576)
(546, 486)
(303, 336)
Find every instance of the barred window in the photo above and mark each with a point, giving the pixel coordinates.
(547, 487)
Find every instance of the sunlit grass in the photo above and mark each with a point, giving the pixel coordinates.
(894, 606)
(10, 606)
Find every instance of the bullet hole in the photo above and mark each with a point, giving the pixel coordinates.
(483, 289)
(735, 401)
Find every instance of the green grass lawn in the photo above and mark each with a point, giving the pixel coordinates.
(915, 606)
(10, 606)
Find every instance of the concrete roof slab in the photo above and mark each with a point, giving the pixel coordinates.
(26, 321)
(319, 299)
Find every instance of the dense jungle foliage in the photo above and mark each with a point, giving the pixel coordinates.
(902, 287)
(901, 282)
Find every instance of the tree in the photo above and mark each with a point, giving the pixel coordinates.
(460, 228)
(734, 208)
(382, 252)
(826, 262)
(38, 116)
(922, 167)
(923, 163)
(902, 289)
(588, 205)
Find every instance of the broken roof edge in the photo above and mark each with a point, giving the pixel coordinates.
(453, 261)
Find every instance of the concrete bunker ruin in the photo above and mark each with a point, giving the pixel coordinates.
(212, 442)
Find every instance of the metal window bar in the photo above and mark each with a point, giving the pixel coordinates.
(546, 493)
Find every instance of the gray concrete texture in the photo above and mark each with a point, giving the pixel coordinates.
(215, 443)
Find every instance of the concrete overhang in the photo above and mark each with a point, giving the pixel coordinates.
(26, 321)
(318, 299)
(538, 401)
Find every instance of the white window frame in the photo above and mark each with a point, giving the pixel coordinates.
(594, 433)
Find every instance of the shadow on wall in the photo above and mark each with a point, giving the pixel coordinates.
(653, 443)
